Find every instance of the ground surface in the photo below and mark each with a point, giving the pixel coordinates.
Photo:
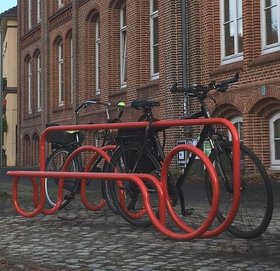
(78, 239)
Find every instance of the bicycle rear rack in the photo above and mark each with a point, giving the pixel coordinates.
(165, 206)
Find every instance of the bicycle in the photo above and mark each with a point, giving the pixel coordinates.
(142, 147)
(139, 151)
(63, 143)
(256, 203)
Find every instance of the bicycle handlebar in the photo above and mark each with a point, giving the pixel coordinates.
(85, 105)
(196, 90)
(121, 106)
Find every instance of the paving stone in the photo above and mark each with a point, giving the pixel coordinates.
(78, 239)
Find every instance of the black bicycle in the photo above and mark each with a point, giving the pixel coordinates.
(141, 150)
(256, 203)
(63, 143)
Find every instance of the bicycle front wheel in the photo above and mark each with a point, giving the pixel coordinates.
(55, 163)
(256, 202)
(126, 195)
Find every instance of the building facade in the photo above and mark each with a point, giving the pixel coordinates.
(226, 37)
(8, 25)
(114, 50)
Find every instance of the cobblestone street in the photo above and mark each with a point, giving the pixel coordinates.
(78, 239)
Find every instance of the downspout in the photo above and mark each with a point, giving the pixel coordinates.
(45, 64)
(185, 53)
(185, 30)
(75, 72)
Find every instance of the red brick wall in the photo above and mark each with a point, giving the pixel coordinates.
(256, 70)
(204, 64)
(60, 23)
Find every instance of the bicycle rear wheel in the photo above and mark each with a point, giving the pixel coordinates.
(256, 202)
(55, 163)
(126, 195)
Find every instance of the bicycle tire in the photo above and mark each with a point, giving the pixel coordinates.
(256, 201)
(126, 195)
(54, 163)
(105, 189)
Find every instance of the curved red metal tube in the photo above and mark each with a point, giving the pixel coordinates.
(214, 185)
(160, 223)
(35, 197)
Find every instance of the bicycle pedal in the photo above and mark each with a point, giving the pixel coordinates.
(67, 197)
(188, 212)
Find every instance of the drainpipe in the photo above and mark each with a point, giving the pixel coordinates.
(45, 64)
(75, 41)
(188, 129)
(185, 53)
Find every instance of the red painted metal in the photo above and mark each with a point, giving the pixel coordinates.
(161, 187)
(101, 176)
(159, 223)
(35, 196)
(192, 233)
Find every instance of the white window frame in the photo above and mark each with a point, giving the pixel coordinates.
(29, 15)
(60, 74)
(269, 48)
(153, 16)
(60, 3)
(275, 163)
(29, 87)
(97, 56)
(237, 56)
(235, 120)
(39, 83)
(123, 46)
(38, 11)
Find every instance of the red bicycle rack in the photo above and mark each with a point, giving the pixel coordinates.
(165, 206)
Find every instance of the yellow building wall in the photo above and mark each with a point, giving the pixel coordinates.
(10, 72)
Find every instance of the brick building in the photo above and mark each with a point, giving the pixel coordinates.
(115, 50)
(241, 36)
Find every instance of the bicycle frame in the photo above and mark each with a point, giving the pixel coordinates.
(206, 134)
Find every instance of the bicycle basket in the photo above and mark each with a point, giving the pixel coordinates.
(127, 135)
(137, 160)
(64, 137)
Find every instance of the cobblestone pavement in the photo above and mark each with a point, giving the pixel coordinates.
(78, 239)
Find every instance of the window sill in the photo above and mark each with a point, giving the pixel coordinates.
(274, 168)
(227, 68)
(265, 59)
(150, 85)
(119, 92)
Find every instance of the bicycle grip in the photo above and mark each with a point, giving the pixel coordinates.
(176, 89)
(80, 107)
(230, 81)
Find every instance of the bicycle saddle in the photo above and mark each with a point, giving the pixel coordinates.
(138, 104)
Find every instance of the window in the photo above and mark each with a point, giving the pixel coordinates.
(38, 11)
(231, 30)
(60, 3)
(97, 56)
(60, 74)
(29, 87)
(154, 39)
(123, 54)
(39, 83)
(270, 14)
(29, 14)
(238, 123)
(274, 132)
